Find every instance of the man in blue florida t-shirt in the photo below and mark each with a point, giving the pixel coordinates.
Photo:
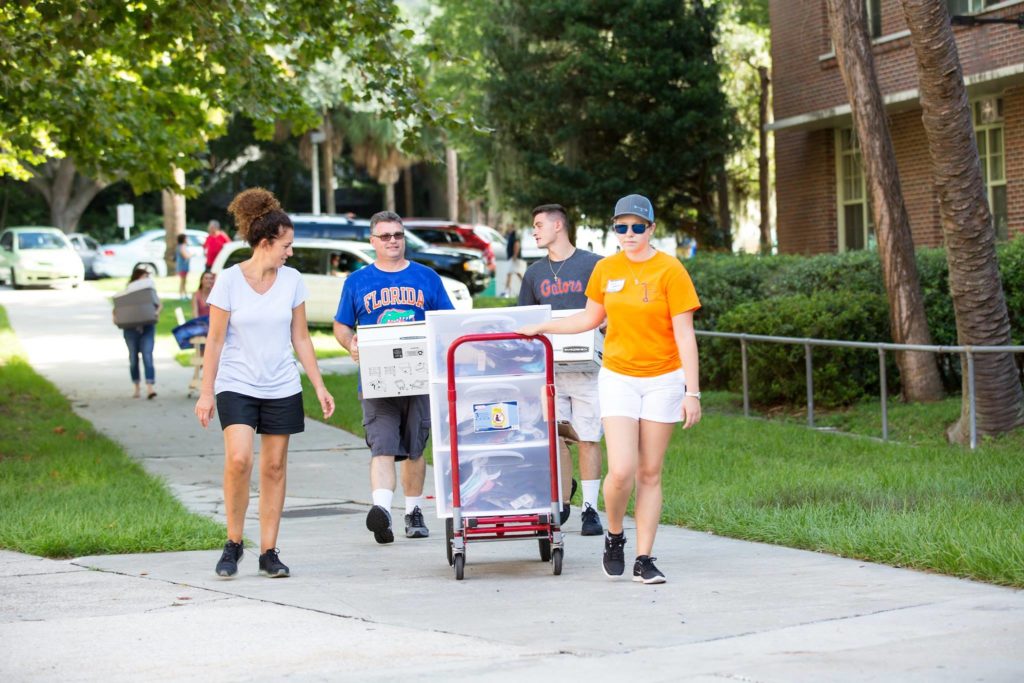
(392, 290)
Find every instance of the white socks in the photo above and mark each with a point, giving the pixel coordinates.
(382, 497)
(412, 503)
(591, 490)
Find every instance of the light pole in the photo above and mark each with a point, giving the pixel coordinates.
(316, 137)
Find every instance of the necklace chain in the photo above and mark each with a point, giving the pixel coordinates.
(636, 276)
(554, 273)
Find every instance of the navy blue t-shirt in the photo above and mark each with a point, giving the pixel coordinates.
(374, 297)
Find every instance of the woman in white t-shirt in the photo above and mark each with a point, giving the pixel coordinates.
(257, 319)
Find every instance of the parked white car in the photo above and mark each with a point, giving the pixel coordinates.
(148, 249)
(324, 265)
(38, 256)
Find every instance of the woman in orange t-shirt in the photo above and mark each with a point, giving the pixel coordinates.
(650, 375)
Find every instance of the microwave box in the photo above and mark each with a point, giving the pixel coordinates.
(393, 359)
(581, 352)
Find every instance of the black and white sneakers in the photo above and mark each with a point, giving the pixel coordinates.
(644, 570)
(227, 565)
(614, 562)
(272, 566)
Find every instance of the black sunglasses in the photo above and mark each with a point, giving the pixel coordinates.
(388, 236)
(638, 228)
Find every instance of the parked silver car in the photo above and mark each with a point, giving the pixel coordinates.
(87, 248)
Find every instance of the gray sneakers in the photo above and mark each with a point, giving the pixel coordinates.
(591, 522)
(378, 520)
(415, 527)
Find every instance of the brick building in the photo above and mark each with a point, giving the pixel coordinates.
(820, 188)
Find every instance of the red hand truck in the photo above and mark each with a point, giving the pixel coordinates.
(544, 528)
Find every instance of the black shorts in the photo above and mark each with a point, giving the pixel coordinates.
(398, 426)
(265, 415)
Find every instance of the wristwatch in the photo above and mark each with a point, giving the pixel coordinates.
(693, 394)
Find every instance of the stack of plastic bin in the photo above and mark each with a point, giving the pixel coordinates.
(504, 457)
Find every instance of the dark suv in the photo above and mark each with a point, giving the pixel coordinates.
(466, 266)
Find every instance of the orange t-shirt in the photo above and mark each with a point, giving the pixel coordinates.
(640, 300)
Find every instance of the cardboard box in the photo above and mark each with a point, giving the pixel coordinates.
(393, 360)
(581, 352)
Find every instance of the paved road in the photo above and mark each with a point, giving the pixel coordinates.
(353, 610)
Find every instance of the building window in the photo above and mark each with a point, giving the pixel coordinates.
(987, 116)
(874, 10)
(969, 6)
(856, 226)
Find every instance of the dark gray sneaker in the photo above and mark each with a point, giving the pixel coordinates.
(614, 561)
(227, 565)
(644, 570)
(415, 527)
(272, 566)
(378, 520)
(564, 517)
(591, 522)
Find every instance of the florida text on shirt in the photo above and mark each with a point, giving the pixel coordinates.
(392, 296)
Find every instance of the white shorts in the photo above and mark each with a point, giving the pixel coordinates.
(576, 403)
(656, 399)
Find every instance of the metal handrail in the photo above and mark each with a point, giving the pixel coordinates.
(808, 343)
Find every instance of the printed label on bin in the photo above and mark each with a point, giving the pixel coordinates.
(495, 417)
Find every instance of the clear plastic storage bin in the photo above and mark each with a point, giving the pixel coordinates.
(496, 481)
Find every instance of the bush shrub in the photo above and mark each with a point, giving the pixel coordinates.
(792, 296)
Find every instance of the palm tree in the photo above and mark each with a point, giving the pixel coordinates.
(981, 316)
(919, 373)
(376, 147)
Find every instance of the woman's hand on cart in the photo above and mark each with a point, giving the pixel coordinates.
(204, 408)
(531, 330)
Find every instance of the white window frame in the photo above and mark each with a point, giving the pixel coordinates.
(842, 201)
(988, 121)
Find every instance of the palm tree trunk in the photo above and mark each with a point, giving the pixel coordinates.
(974, 283)
(327, 166)
(407, 190)
(919, 372)
(389, 196)
(452, 162)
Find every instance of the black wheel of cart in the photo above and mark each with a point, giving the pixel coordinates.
(449, 536)
(545, 549)
(556, 561)
(460, 566)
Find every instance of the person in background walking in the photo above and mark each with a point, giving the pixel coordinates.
(200, 307)
(650, 378)
(215, 241)
(140, 339)
(257, 319)
(560, 280)
(181, 262)
(516, 264)
(391, 290)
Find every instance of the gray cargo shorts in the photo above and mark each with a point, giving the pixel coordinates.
(398, 426)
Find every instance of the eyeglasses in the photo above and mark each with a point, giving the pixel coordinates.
(388, 236)
(638, 228)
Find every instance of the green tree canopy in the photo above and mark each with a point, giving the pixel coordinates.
(596, 100)
(132, 89)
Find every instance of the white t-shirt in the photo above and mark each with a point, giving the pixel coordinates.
(257, 358)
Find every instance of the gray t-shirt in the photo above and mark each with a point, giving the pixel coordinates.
(562, 284)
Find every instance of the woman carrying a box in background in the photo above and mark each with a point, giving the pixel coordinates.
(649, 379)
(257, 317)
(140, 339)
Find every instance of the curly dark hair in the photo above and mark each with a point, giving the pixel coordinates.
(258, 215)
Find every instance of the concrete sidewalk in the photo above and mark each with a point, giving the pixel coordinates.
(354, 610)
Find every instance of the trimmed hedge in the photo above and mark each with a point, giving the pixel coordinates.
(830, 296)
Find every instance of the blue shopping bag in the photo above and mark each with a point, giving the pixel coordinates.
(196, 327)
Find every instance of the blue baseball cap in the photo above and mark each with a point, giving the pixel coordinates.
(635, 204)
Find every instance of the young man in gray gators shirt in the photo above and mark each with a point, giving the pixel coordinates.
(560, 280)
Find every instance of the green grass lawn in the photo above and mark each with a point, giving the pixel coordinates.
(926, 504)
(66, 490)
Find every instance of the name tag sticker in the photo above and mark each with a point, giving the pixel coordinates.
(614, 286)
